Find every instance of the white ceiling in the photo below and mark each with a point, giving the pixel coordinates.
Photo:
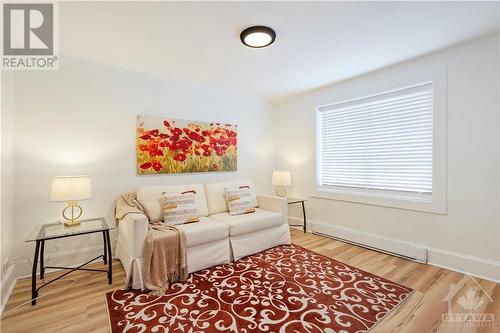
(317, 42)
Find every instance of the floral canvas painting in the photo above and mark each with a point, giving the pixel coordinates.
(167, 145)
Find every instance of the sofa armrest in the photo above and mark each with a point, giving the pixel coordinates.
(274, 203)
(133, 229)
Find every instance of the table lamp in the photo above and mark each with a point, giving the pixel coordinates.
(70, 189)
(281, 179)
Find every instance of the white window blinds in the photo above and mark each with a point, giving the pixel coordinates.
(381, 142)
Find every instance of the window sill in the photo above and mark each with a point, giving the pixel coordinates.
(383, 198)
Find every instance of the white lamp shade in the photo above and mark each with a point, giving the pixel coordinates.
(70, 188)
(281, 178)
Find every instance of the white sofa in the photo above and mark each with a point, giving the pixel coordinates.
(218, 238)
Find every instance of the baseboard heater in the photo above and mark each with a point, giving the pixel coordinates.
(399, 255)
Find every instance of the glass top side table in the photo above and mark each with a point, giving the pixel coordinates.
(292, 201)
(44, 232)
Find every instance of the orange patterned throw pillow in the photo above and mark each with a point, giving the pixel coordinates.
(239, 201)
(179, 208)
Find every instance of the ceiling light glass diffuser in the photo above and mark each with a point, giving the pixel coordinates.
(258, 36)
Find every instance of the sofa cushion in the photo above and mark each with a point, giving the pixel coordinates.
(150, 197)
(203, 232)
(247, 223)
(239, 201)
(215, 194)
(179, 208)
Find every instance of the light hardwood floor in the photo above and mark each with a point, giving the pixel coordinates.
(82, 308)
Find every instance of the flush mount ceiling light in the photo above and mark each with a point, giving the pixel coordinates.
(258, 36)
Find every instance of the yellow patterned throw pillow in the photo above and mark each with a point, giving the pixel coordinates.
(239, 201)
(179, 208)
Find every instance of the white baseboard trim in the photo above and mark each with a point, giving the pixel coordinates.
(476, 266)
(7, 285)
(20, 270)
(390, 245)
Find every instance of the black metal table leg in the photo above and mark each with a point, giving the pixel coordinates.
(110, 268)
(105, 247)
(33, 274)
(42, 266)
(304, 213)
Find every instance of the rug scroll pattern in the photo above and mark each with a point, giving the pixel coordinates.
(286, 289)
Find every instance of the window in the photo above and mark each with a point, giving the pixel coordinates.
(382, 144)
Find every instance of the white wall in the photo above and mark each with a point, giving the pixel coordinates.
(81, 120)
(469, 232)
(7, 183)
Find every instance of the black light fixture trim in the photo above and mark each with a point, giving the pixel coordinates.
(258, 28)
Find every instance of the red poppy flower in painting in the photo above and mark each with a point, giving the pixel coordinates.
(180, 157)
(185, 143)
(146, 165)
(154, 132)
(176, 145)
(166, 123)
(157, 166)
(193, 135)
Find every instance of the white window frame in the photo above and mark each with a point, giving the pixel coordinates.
(435, 203)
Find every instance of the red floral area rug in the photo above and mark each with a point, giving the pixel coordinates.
(284, 289)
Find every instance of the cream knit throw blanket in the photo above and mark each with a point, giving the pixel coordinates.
(165, 253)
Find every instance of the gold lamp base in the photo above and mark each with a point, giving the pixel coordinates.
(281, 191)
(72, 222)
